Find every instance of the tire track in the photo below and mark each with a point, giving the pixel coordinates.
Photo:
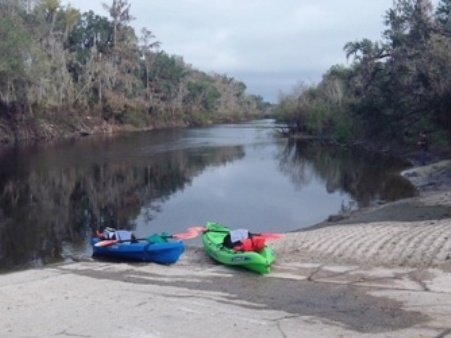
(405, 246)
(379, 240)
(417, 241)
(442, 239)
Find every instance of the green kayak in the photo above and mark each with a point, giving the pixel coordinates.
(212, 239)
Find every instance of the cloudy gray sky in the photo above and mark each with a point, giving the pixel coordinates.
(271, 46)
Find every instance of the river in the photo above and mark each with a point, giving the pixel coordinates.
(53, 196)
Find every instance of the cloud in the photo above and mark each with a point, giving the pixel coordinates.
(269, 45)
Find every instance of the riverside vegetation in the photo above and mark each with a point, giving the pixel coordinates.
(392, 89)
(64, 72)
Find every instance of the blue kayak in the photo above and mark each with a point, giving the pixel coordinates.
(161, 252)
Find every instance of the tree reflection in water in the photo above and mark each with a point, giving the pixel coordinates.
(367, 177)
(53, 197)
(44, 207)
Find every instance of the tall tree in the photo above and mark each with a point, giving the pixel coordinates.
(399, 93)
(119, 11)
(15, 43)
(122, 82)
(147, 49)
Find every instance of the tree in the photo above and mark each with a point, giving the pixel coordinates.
(120, 13)
(15, 52)
(90, 31)
(443, 16)
(202, 95)
(147, 48)
(121, 83)
(166, 74)
(396, 88)
(67, 68)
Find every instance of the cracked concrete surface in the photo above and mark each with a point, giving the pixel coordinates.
(95, 299)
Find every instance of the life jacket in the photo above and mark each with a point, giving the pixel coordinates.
(254, 243)
(258, 242)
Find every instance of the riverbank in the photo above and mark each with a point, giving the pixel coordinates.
(380, 272)
(414, 232)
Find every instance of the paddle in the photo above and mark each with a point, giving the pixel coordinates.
(181, 236)
(266, 235)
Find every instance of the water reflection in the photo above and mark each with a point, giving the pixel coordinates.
(51, 204)
(52, 197)
(368, 178)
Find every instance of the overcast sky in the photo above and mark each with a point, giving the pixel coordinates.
(271, 46)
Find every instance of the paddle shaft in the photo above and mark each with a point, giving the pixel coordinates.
(108, 242)
(134, 239)
(268, 235)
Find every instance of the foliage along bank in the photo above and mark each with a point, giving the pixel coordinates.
(393, 89)
(63, 72)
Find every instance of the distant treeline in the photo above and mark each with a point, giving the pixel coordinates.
(392, 89)
(64, 72)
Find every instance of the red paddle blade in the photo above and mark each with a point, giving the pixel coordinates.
(196, 230)
(266, 235)
(107, 242)
(185, 235)
(271, 235)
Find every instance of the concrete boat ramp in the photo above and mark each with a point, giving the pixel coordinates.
(101, 299)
